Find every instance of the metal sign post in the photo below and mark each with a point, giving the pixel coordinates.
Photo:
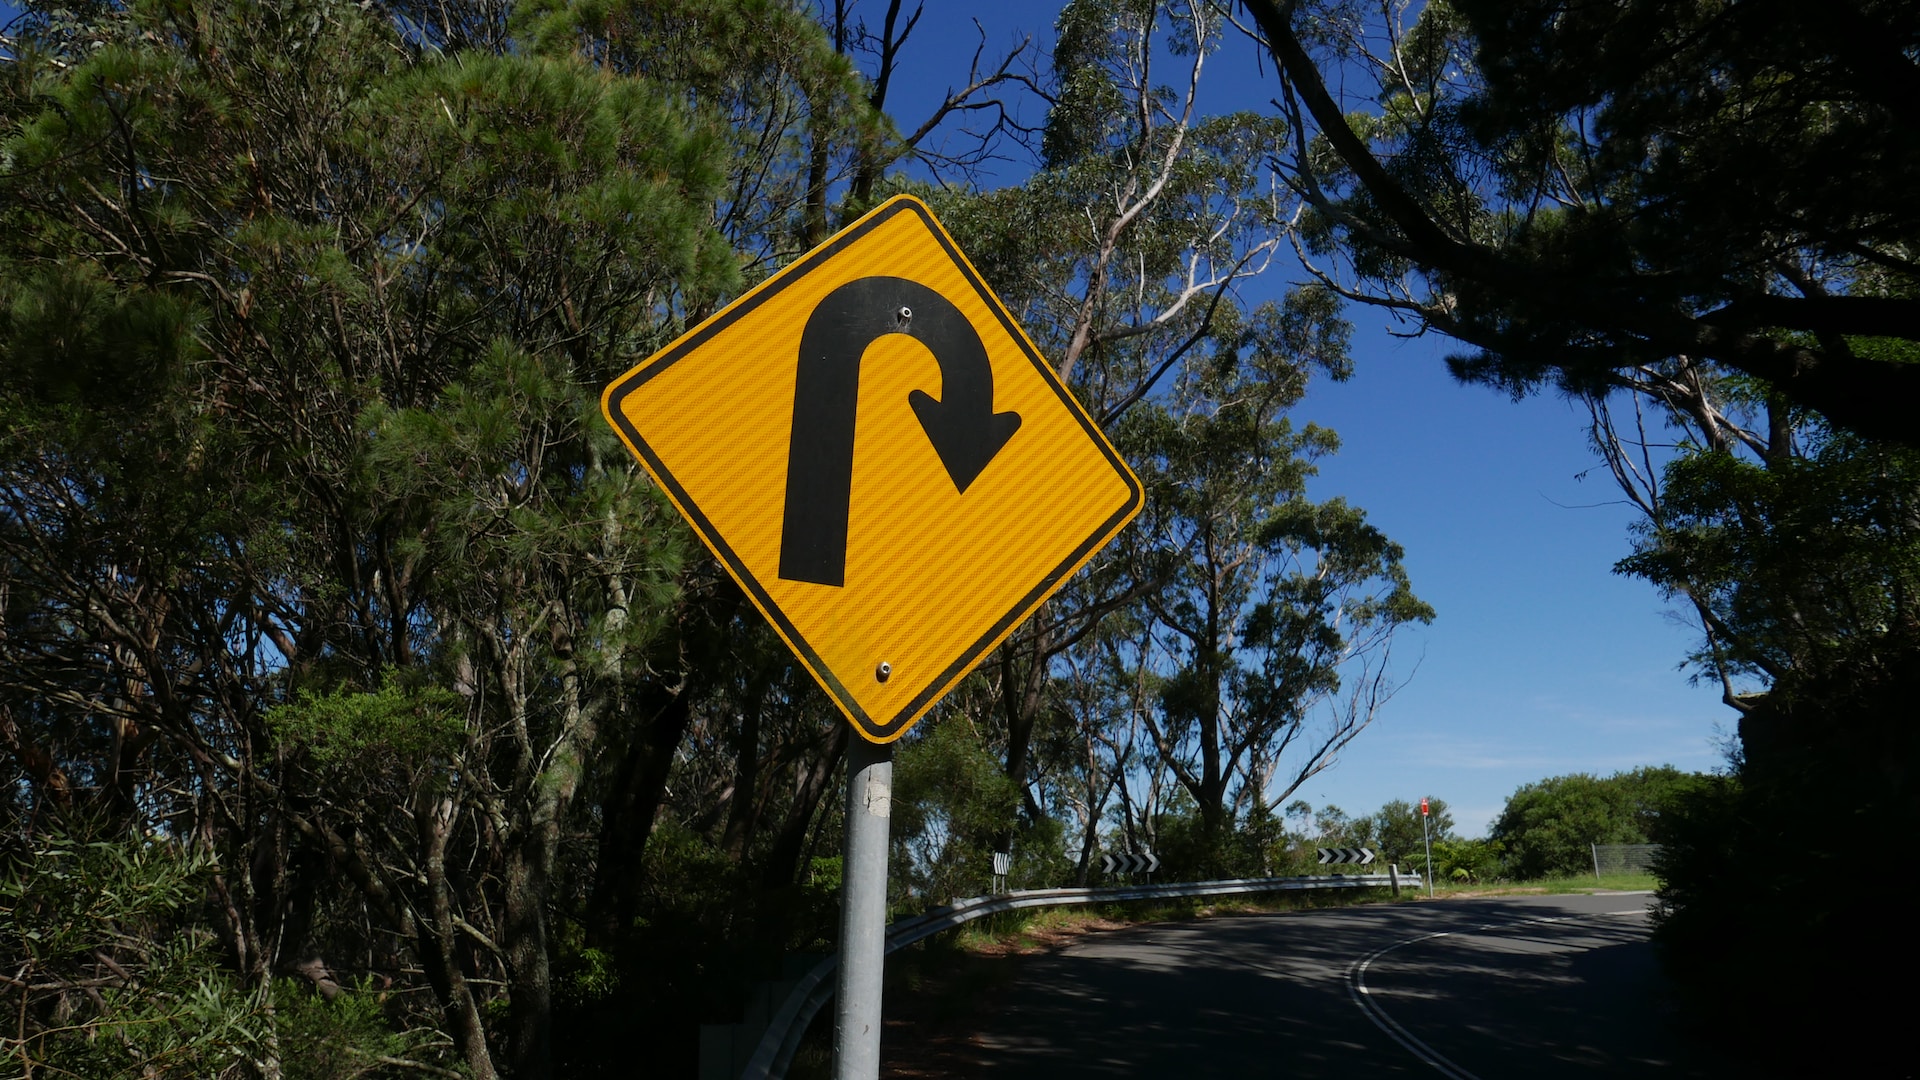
(1426, 835)
(863, 911)
(889, 536)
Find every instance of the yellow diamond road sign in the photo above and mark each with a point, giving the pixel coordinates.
(881, 459)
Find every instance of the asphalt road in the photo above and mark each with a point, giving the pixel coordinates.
(1469, 989)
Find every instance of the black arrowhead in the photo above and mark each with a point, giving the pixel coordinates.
(965, 433)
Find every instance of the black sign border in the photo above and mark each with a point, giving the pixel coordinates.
(893, 728)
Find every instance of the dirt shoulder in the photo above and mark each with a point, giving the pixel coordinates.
(938, 992)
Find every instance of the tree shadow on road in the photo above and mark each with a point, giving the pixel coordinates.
(1268, 994)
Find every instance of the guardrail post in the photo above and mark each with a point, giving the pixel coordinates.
(863, 912)
(1393, 876)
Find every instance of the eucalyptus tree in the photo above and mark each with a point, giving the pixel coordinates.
(1093, 752)
(1121, 256)
(1402, 831)
(1271, 630)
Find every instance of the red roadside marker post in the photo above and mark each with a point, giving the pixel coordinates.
(1428, 837)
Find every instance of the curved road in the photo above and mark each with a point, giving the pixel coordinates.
(1535, 986)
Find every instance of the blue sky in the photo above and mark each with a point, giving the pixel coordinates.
(1542, 660)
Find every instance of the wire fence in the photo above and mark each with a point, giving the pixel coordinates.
(1623, 858)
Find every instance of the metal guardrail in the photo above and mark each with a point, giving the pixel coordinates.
(789, 1022)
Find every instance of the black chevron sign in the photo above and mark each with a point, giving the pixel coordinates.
(1121, 863)
(1342, 855)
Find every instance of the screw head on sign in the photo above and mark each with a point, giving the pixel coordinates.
(883, 672)
(906, 313)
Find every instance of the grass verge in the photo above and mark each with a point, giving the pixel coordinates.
(1583, 883)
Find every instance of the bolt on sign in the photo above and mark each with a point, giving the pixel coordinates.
(882, 460)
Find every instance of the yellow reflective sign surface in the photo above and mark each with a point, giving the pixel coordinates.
(881, 459)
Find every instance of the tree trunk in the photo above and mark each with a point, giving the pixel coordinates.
(529, 980)
(440, 955)
(1020, 700)
(627, 816)
(528, 878)
(781, 869)
(742, 806)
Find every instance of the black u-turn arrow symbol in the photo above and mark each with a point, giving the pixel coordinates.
(961, 424)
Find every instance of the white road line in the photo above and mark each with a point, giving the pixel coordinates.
(1357, 989)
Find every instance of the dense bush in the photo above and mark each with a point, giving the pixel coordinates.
(118, 973)
(1546, 828)
(1468, 861)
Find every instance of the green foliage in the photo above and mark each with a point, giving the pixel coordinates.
(952, 802)
(1803, 561)
(69, 895)
(1547, 828)
(120, 975)
(115, 975)
(584, 974)
(1397, 831)
(783, 89)
(392, 722)
(825, 873)
(1189, 850)
(1589, 196)
(301, 327)
(349, 1037)
(1468, 861)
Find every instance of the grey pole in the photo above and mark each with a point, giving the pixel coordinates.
(863, 912)
(1428, 837)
